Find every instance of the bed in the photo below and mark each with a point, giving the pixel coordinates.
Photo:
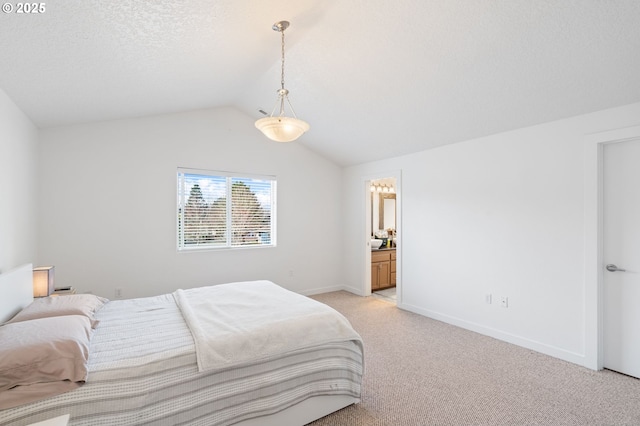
(162, 361)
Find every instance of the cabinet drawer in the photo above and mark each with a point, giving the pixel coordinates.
(380, 256)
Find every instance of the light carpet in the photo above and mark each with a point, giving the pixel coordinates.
(420, 371)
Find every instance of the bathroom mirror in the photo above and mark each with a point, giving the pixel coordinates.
(387, 211)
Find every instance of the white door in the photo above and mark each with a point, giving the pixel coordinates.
(622, 250)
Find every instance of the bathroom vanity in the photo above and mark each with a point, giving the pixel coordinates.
(383, 268)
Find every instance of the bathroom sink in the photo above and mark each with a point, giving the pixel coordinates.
(375, 243)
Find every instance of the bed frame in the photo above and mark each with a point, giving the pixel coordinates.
(16, 287)
(304, 412)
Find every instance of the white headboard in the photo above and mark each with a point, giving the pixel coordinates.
(16, 290)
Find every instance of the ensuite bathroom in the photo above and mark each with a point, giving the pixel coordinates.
(383, 239)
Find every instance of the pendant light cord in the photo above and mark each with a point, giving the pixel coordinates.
(282, 68)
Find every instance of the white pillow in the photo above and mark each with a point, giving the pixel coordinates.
(55, 306)
(42, 357)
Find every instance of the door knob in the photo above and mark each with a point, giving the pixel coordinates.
(613, 268)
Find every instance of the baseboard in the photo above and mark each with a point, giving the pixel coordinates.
(321, 290)
(524, 342)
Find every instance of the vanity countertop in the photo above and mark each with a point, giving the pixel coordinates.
(384, 249)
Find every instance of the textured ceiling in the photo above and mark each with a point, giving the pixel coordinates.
(373, 78)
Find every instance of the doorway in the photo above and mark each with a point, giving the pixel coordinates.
(595, 236)
(383, 236)
(621, 256)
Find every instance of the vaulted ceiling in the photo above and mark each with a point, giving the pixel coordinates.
(373, 78)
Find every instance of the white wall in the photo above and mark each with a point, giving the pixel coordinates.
(110, 195)
(500, 215)
(18, 186)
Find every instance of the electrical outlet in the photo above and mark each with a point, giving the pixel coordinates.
(487, 298)
(118, 293)
(504, 301)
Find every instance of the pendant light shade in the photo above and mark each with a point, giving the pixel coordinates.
(281, 128)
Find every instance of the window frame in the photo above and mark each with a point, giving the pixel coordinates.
(182, 196)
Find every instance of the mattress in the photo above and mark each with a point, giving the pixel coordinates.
(143, 371)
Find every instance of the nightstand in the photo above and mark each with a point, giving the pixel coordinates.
(64, 291)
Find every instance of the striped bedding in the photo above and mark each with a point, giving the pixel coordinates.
(143, 371)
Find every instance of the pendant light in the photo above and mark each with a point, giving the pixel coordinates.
(281, 128)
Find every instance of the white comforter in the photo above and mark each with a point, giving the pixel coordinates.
(239, 323)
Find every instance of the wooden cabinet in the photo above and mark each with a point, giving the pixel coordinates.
(383, 269)
(393, 268)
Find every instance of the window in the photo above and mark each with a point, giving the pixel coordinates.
(206, 220)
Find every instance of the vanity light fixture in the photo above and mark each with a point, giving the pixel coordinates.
(382, 188)
(281, 128)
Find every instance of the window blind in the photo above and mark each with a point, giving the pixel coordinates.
(205, 219)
